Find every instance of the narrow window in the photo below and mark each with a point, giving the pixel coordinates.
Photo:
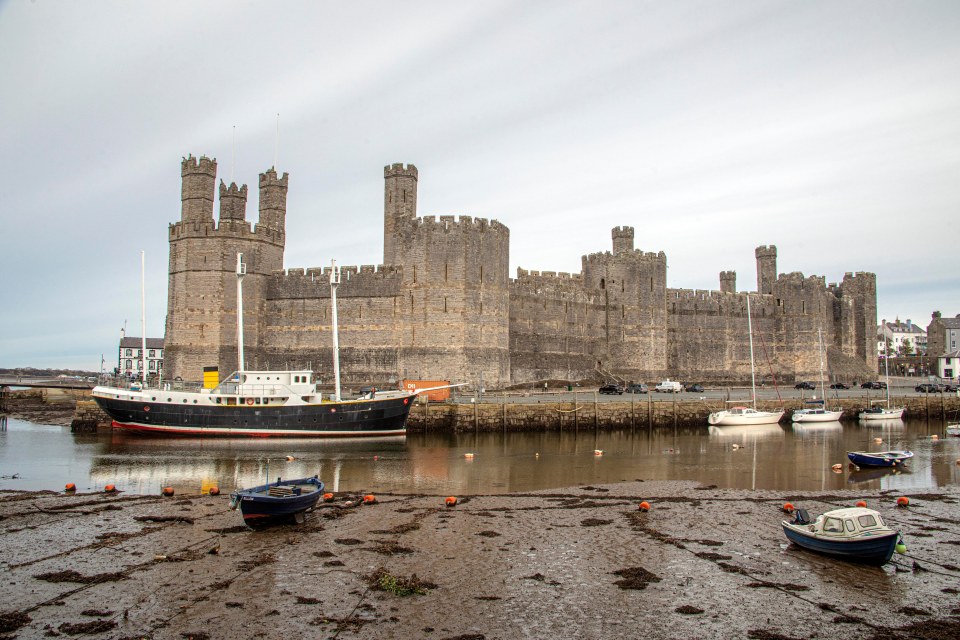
(444, 304)
(481, 273)
(414, 273)
(404, 195)
(603, 283)
(803, 306)
(446, 272)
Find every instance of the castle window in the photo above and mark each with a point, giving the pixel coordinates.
(444, 304)
(803, 306)
(603, 283)
(481, 273)
(651, 283)
(446, 271)
(414, 273)
(404, 195)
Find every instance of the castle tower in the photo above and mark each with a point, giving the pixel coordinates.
(728, 282)
(233, 202)
(399, 203)
(199, 177)
(766, 268)
(273, 201)
(622, 240)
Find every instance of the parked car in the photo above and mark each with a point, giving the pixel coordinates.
(611, 389)
(928, 387)
(839, 385)
(636, 388)
(876, 384)
(950, 388)
(694, 388)
(669, 386)
(805, 385)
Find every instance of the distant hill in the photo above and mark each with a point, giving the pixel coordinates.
(46, 373)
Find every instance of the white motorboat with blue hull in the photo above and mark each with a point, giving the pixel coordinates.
(855, 534)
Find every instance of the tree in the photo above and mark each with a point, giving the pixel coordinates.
(906, 348)
(888, 348)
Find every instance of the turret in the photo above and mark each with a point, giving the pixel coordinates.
(622, 240)
(399, 203)
(728, 281)
(233, 202)
(766, 268)
(198, 182)
(273, 200)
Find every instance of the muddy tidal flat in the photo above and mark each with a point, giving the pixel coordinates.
(581, 562)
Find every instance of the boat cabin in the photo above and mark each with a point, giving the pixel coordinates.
(850, 522)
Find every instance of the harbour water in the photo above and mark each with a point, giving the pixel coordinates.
(781, 457)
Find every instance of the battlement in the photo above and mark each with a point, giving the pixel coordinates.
(622, 240)
(860, 275)
(203, 164)
(622, 232)
(766, 251)
(397, 170)
(636, 254)
(523, 274)
(269, 179)
(454, 224)
(355, 281)
(796, 278)
(233, 191)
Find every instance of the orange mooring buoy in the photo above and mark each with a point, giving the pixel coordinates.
(903, 501)
(861, 503)
(369, 499)
(787, 508)
(644, 506)
(167, 491)
(328, 497)
(109, 488)
(70, 487)
(451, 501)
(214, 491)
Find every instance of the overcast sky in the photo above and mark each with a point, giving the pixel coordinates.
(830, 129)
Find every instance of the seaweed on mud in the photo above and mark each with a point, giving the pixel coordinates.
(786, 586)
(487, 598)
(350, 623)
(484, 514)
(13, 620)
(635, 578)
(957, 542)
(845, 619)
(195, 635)
(688, 610)
(304, 600)
(348, 541)
(489, 534)
(399, 529)
(183, 519)
(950, 590)
(594, 522)
(539, 577)
(240, 528)
(233, 605)
(324, 554)
(383, 580)
(913, 611)
(763, 634)
(389, 548)
(921, 630)
(253, 563)
(73, 576)
(223, 584)
(730, 568)
(96, 613)
(467, 636)
(333, 563)
(706, 488)
(405, 510)
(83, 628)
(706, 543)
(709, 555)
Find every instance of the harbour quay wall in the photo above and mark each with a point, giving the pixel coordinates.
(546, 415)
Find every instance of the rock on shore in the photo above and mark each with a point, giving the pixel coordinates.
(581, 562)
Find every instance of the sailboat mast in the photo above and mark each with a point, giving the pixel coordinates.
(334, 281)
(241, 271)
(143, 318)
(886, 369)
(823, 388)
(753, 374)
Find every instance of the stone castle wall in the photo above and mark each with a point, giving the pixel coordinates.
(443, 306)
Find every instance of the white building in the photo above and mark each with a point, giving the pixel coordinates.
(129, 356)
(899, 332)
(948, 365)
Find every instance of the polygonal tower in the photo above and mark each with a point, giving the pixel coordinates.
(399, 205)
(766, 268)
(728, 282)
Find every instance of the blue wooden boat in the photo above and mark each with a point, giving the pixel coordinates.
(277, 502)
(879, 458)
(854, 534)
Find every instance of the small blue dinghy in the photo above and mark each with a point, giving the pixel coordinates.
(276, 502)
(855, 534)
(879, 458)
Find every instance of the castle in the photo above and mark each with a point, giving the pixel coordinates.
(443, 306)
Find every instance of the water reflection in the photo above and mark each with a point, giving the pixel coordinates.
(794, 457)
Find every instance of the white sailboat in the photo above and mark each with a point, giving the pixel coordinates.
(742, 416)
(876, 412)
(818, 413)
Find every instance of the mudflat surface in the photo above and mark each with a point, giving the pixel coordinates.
(578, 562)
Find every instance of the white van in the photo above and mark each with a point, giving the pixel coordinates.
(669, 386)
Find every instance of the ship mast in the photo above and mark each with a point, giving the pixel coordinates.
(753, 374)
(143, 318)
(334, 281)
(241, 271)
